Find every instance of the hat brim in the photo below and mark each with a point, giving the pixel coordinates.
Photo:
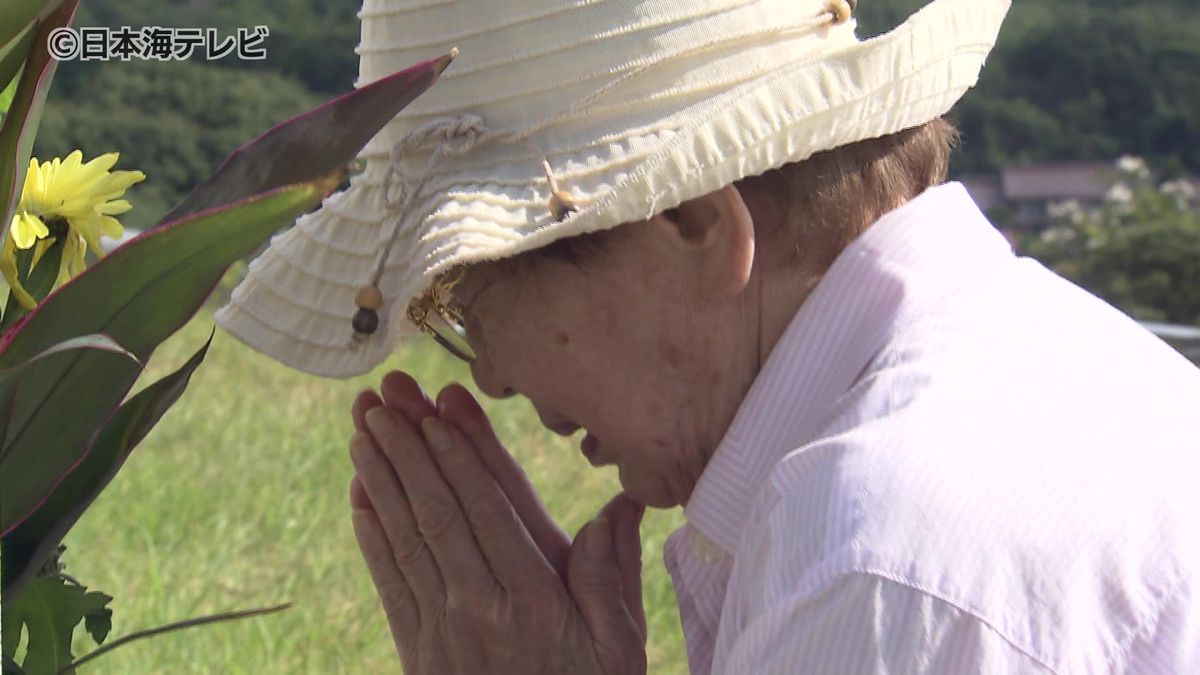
(296, 302)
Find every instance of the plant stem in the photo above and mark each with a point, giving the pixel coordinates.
(198, 621)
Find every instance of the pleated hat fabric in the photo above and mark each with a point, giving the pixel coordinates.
(635, 105)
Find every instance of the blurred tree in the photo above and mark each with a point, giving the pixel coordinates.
(311, 40)
(1139, 251)
(1080, 80)
(879, 16)
(175, 122)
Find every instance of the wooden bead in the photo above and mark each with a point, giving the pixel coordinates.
(365, 322)
(562, 203)
(369, 297)
(842, 10)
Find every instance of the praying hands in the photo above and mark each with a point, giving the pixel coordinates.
(473, 573)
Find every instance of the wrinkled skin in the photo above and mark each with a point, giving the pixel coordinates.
(650, 347)
(473, 574)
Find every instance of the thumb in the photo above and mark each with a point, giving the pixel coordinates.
(594, 580)
(626, 517)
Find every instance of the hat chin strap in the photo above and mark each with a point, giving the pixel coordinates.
(458, 135)
(454, 136)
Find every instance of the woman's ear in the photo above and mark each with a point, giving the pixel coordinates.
(717, 232)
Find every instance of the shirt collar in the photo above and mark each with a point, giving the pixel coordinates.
(920, 249)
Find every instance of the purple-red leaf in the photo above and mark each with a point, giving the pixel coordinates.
(314, 143)
(10, 378)
(147, 288)
(29, 544)
(139, 295)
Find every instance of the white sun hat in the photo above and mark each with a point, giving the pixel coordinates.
(625, 107)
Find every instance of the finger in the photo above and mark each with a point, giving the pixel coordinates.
(439, 518)
(358, 494)
(394, 594)
(385, 496)
(594, 580)
(457, 406)
(626, 517)
(401, 391)
(364, 401)
(508, 548)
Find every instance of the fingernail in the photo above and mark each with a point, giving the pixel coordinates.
(361, 393)
(378, 419)
(599, 539)
(435, 433)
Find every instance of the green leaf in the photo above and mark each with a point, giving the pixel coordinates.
(95, 341)
(47, 609)
(10, 378)
(38, 284)
(10, 631)
(10, 667)
(15, 15)
(97, 616)
(147, 288)
(6, 97)
(12, 57)
(139, 295)
(30, 543)
(21, 121)
(312, 144)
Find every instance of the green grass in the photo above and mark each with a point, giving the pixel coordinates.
(238, 499)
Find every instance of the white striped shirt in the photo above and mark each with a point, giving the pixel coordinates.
(953, 461)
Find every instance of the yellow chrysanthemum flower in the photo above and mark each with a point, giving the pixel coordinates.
(66, 198)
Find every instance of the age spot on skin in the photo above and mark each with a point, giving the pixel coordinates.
(672, 355)
(563, 339)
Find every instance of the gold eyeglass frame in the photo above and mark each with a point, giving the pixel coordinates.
(437, 315)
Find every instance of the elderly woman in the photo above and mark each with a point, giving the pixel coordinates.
(714, 236)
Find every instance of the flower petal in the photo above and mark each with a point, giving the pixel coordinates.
(70, 250)
(110, 227)
(94, 171)
(39, 250)
(115, 183)
(115, 207)
(28, 228)
(35, 182)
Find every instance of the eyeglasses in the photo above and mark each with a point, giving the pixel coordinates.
(444, 324)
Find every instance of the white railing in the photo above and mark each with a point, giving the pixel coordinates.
(1184, 338)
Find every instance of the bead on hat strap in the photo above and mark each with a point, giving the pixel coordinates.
(842, 10)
